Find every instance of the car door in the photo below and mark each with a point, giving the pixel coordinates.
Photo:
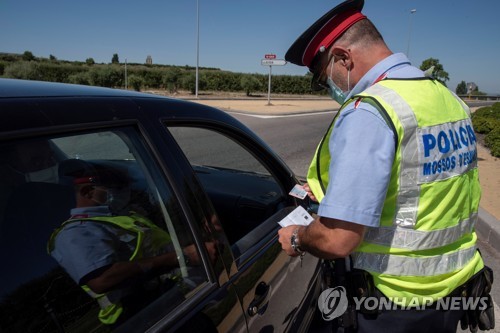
(249, 193)
(41, 290)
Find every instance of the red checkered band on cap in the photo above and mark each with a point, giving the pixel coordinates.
(86, 180)
(330, 32)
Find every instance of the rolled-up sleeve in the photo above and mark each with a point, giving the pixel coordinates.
(83, 248)
(362, 148)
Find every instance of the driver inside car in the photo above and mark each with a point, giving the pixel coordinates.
(120, 258)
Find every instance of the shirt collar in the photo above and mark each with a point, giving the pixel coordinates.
(91, 211)
(387, 65)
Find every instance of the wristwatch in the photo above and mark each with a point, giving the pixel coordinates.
(294, 240)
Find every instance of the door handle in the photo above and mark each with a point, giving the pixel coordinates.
(259, 304)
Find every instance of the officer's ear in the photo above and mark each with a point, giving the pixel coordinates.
(342, 55)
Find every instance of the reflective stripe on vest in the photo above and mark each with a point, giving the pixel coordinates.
(413, 266)
(410, 239)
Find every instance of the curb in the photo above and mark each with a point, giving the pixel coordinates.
(488, 227)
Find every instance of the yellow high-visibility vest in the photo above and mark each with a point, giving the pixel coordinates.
(425, 246)
(149, 239)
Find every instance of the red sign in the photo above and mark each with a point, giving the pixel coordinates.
(270, 56)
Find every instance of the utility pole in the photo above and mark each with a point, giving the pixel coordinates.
(126, 80)
(197, 45)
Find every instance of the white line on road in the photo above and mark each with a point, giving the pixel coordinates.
(281, 116)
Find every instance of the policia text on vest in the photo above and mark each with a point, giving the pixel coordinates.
(446, 150)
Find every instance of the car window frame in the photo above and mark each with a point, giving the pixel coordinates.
(260, 154)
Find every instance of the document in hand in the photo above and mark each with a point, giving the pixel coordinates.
(299, 216)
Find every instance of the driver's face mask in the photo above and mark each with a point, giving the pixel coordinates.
(118, 199)
(48, 175)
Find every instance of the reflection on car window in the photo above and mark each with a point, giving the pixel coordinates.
(92, 235)
(241, 189)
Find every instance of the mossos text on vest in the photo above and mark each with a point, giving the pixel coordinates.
(446, 150)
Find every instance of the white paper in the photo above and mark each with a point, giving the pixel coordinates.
(299, 216)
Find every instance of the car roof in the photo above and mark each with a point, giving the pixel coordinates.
(10, 88)
(29, 105)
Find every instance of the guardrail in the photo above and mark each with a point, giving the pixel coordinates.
(480, 97)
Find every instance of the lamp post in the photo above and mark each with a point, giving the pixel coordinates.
(413, 11)
(197, 45)
(126, 79)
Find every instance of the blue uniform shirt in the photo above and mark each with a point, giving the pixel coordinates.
(81, 248)
(362, 151)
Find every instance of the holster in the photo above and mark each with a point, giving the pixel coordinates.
(358, 283)
(483, 316)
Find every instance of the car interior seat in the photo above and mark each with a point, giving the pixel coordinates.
(33, 211)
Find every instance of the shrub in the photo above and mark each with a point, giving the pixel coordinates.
(492, 141)
(24, 70)
(136, 82)
(486, 120)
(483, 125)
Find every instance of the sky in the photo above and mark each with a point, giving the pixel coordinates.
(235, 35)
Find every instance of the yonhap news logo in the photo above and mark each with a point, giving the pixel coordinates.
(333, 302)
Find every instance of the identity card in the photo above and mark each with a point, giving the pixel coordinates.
(298, 192)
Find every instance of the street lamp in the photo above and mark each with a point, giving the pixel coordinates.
(197, 45)
(413, 11)
(126, 79)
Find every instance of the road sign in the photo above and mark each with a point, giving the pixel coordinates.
(273, 62)
(270, 56)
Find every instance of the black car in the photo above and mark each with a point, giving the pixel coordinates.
(201, 177)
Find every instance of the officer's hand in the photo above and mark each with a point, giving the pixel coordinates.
(309, 192)
(285, 235)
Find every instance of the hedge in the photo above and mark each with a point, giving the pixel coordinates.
(486, 120)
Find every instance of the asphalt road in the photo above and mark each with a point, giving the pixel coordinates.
(294, 139)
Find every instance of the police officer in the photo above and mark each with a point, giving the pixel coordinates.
(395, 174)
(120, 258)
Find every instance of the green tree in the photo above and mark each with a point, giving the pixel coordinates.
(90, 61)
(172, 79)
(438, 73)
(115, 59)
(25, 70)
(250, 84)
(52, 58)
(79, 78)
(461, 88)
(189, 82)
(136, 82)
(106, 76)
(28, 56)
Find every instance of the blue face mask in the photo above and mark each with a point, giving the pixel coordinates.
(118, 199)
(335, 92)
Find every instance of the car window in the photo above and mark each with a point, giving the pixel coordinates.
(92, 235)
(244, 193)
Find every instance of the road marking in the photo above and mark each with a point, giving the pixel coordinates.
(281, 116)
